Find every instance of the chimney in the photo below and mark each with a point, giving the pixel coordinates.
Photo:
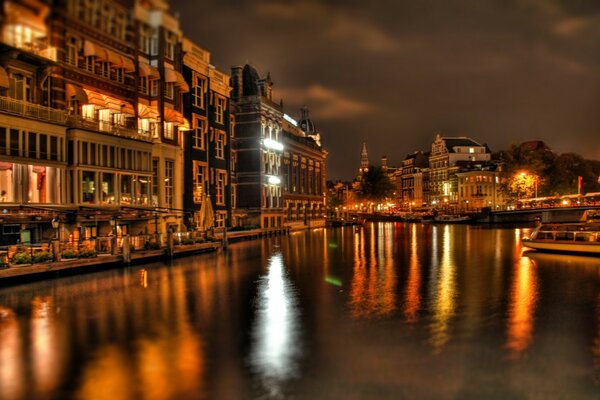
(236, 82)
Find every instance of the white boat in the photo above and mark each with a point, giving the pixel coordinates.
(451, 219)
(566, 238)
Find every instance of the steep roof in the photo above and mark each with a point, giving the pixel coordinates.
(452, 142)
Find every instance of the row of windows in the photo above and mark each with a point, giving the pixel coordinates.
(19, 143)
(101, 14)
(201, 181)
(478, 178)
(271, 196)
(478, 190)
(101, 155)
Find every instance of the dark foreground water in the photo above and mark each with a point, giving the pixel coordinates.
(388, 311)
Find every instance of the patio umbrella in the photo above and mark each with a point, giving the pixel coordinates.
(207, 215)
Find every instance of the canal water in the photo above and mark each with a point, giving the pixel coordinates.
(386, 311)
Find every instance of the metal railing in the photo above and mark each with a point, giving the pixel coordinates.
(94, 124)
(31, 110)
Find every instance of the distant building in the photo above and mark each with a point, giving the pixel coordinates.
(414, 180)
(479, 186)
(445, 153)
(259, 149)
(364, 161)
(303, 171)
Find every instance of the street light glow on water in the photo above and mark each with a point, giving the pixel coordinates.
(394, 309)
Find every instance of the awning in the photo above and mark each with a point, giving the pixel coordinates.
(4, 83)
(75, 92)
(174, 76)
(127, 64)
(174, 116)
(92, 49)
(149, 71)
(104, 54)
(145, 111)
(108, 102)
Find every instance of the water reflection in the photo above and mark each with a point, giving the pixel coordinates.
(596, 344)
(412, 301)
(523, 299)
(46, 351)
(275, 334)
(373, 287)
(12, 383)
(443, 306)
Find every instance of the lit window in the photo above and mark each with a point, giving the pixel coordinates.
(169, 130)
(220, 187)
(220, 145)
(169, 183)
(199, 133)
(220, 109)
(200, 180)
(198, 91)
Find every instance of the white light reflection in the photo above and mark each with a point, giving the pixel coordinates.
(275, 332)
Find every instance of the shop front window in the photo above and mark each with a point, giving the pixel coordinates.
(142, 190)
(7, 183)
(108, 188)
(126, 189)
(88, 187)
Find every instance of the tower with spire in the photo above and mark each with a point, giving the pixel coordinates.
(364, 161)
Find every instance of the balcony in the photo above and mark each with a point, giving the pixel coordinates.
(29, 110)
(93, 124)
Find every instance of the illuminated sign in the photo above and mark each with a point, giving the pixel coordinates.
(272, 144)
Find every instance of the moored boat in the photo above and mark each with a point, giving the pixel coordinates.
(451, 219)
(565, 238)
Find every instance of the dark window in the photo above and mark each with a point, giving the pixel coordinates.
(14, 142)
(2, 140)
(32, 145)
(53, 148)
(43, 147)
(84, 153)
(70, 155)
(93, 154)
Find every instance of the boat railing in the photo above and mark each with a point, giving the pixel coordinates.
(576, 236)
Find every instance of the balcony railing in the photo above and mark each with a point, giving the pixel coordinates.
(94, 124)
(30, 110)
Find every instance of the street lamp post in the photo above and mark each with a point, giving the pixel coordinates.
(56, 241)
(113, 244)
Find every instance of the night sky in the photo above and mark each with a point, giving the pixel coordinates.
(395, 72)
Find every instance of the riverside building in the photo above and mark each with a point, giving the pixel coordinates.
(208, 156)
(304, 161)
(446, 152)
(259, 150)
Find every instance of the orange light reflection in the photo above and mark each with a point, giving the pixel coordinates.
(522, 307)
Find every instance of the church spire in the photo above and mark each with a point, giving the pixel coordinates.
(364, 160)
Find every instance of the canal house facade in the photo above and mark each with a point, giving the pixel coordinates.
(208, 156)
(259, 150)
(303, 165)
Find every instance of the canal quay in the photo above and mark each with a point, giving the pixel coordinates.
(382, 311)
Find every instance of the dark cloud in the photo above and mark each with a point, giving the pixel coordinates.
(395, 72)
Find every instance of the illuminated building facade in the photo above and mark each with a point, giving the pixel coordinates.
(303, 170)
(259, 149)
(445, 153)
(479, 187)
(86, 122)
(208, 156)
(414, 180)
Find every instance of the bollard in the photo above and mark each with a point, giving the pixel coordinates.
(126, 249)
(56, 250)
(170, 243)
